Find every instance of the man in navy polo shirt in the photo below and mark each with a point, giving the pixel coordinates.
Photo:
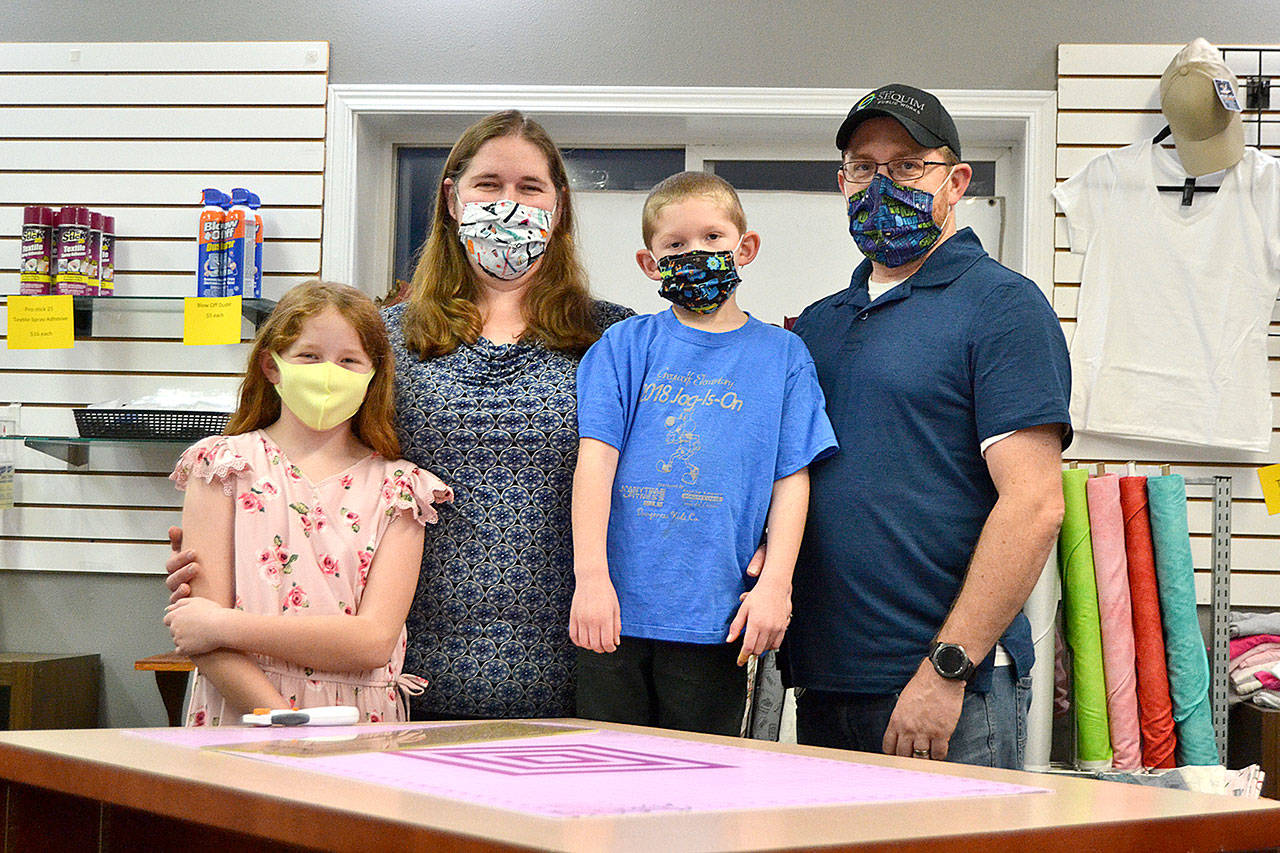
(947, 382)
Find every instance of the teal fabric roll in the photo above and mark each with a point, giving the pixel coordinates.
(1081, 625)
(1183, 642)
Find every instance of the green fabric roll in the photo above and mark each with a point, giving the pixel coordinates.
(1183, 643)
(1083, 630)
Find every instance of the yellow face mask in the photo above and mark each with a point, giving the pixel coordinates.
(322, 395)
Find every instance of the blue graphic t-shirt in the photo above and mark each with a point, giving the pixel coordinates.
(704, 422)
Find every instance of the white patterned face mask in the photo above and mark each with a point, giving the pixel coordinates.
(504, 237)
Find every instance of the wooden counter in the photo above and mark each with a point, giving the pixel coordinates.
(83, 788)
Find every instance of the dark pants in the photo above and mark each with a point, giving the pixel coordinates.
(991, 732)
(686, 686)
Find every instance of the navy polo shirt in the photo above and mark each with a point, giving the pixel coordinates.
(963, 350)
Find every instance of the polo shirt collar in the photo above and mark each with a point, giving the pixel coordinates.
(947, 263)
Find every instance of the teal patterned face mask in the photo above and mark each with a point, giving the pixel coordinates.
(893, 224)
(699, 281)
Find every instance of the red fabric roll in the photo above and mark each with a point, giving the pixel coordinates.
(1155, 710)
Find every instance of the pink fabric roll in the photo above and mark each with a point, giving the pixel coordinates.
(1106, 529)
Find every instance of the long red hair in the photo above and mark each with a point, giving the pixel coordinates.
(374, 423)
(442, 312)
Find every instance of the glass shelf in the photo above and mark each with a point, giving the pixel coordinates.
(74, 450)
(253, 310)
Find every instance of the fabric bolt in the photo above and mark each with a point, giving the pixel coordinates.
(1155, 708)
(1266, 698)
(1083, 629)
(1268, 679)
(1264, 653)
(489, 622)
(1240, 645)
(306, 549)
(1184, 644)
(1205, 276)
(704, 423)
(1249, 624)
(1061, 679)
(1110, 566)
(1247, 673)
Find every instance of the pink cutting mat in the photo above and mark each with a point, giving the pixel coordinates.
(569, 771)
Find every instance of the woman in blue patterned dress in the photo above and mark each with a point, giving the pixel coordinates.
(487, 351)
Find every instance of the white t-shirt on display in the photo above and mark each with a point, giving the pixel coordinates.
(1171, 333)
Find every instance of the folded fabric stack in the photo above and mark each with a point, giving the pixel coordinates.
(1255, 658)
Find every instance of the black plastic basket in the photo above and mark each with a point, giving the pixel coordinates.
(161, 424)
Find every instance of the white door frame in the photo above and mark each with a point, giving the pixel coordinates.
(366, 122)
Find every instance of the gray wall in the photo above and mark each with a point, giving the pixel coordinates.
(978, 44)
(963, 44)
(115, 616)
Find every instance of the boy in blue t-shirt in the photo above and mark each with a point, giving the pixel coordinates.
(697, 426)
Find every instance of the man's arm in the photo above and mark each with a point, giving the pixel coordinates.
(595, 619)
(1011, 552)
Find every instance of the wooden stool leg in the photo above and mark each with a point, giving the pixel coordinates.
(173, 690)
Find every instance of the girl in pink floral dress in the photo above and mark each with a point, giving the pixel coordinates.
(308, 524)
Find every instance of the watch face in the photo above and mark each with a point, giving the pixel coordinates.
(950, 660)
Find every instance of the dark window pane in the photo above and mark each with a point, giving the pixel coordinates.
(795, 175)
(984, 179)
(417, 176)
(621, 168)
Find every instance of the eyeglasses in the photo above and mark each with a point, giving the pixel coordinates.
(902, 170)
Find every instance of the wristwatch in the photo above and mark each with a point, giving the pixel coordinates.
(950, 660)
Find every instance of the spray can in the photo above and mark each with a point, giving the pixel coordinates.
(241, 229)
(211, 262)
(254, 204)
(93, 254)
(73, 252)
(107, 258)
(36, 277)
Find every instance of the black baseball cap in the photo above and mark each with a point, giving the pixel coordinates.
(920, 113)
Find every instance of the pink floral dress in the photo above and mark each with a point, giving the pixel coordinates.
(305, 548)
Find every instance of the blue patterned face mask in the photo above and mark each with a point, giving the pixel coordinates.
(700, 280)
(893, 224)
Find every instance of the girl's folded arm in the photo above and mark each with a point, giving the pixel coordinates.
(208, 516)
(342, 643)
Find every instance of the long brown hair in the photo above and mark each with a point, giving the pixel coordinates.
(442, 312)
(374, 422)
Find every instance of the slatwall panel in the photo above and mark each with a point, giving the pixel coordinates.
(1108, 97)
(136, 131)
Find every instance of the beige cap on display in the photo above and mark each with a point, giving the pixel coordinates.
(1208, 136)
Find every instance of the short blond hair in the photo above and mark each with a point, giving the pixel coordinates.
(683, 185)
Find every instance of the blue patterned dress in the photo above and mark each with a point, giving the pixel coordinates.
(489, 622)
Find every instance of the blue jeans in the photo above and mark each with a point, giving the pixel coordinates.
(992, 730)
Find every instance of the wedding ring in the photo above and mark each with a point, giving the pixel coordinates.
(920, 753)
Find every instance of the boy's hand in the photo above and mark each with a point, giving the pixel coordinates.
(765, 613)
(195, 623)
(595, 620)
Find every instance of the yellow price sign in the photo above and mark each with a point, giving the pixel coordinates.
(41, 322)
(211, 320)
(1270, 479)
